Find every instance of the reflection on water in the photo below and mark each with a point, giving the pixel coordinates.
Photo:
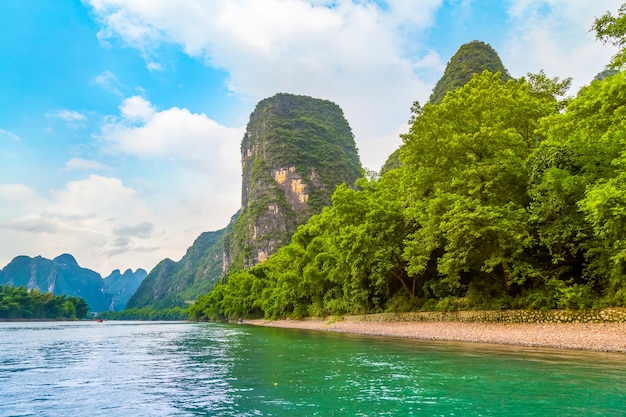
(185, 369)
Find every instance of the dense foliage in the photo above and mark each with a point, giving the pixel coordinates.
(612, 29)
(145, 313)
(471, 58)
(309, 134)
(505, 197)
(501, 201)
(21, 303)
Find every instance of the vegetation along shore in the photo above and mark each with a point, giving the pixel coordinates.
(506, 194)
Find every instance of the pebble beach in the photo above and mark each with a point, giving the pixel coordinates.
(601, 337)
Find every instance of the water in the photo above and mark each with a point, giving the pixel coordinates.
(196, 369)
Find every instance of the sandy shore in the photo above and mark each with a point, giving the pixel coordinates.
(606, 337)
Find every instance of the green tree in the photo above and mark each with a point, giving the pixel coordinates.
(466, 186)
(612, 29)
(574, 187)
(80, 305)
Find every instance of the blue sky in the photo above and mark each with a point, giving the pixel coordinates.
(121, 119)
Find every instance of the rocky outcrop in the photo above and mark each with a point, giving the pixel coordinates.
(295, 151)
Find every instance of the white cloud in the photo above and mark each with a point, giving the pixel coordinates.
(555, 35)
(177, 136)
(349, 52)
(193, 185)
(154, 66)
(385, 145)
(17, 194)
(91, 217)
(108, 82)
(5, 134)
(136, 109)
(68, 115)
(80, 164)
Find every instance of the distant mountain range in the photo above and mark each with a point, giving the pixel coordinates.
(63, 275)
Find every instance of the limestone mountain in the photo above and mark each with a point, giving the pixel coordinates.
(61, 275)
(295, 151)
(120, 287)
(173, 283)
(471, 58)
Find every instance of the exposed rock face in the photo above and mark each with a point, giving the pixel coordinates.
(62, 275)
(296, 150)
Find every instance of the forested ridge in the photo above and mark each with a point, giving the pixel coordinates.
(20, 303)
(507, 196)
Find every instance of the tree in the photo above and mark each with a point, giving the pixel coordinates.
(466, 186)
(612, 29)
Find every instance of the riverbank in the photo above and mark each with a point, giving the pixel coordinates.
(602, 337)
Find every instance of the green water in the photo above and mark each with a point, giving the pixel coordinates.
(288, 372)
(184, 369)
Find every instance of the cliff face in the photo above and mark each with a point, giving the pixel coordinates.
(295, 151)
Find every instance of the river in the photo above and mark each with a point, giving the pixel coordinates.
(203, 369)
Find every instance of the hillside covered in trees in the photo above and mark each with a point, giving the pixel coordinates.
(506, 196)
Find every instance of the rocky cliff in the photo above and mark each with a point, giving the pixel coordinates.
(295, 151)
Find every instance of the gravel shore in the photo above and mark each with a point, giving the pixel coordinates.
(605, 337)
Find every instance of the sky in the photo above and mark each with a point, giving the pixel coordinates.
(121, 120)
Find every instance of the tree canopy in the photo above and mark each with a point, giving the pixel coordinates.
(506, 196)
(21, 303)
